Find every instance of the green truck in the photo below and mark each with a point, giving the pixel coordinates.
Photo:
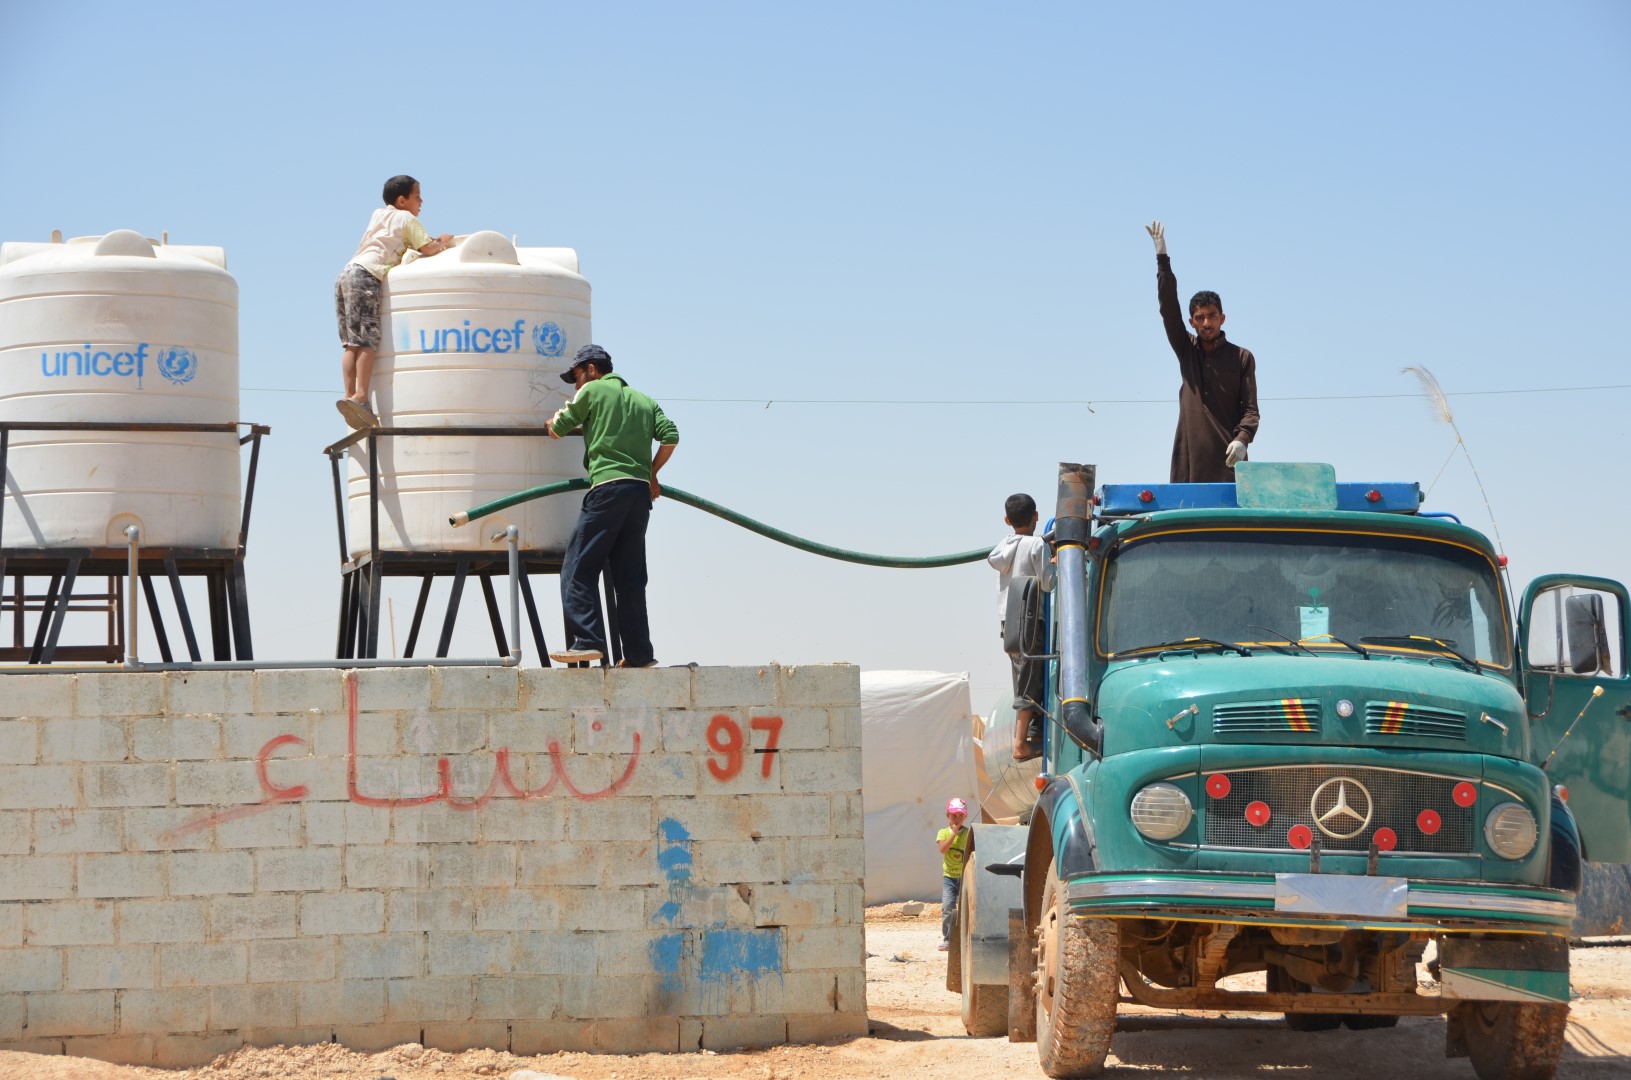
(1296, 728)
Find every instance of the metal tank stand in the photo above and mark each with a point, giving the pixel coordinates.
(222, 569)
(362, 579)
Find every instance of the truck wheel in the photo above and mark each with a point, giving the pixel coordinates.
(1281, 982)
(985, 1008)
(954, 953)
(1077, 983)
(1509, 1040)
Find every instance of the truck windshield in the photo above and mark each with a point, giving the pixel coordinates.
(1315, 586)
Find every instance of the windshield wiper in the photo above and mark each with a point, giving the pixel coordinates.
(1284, 637)
(1362, 652)
(1194, 644)
(1409, 640)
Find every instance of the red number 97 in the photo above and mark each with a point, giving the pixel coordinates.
(725, 739)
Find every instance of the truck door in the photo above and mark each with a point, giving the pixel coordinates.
(1571, 631)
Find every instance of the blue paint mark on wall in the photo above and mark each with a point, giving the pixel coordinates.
(713, 956)
(747, 953)
(665, 953)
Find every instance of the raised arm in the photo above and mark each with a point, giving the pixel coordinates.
(1166, 291)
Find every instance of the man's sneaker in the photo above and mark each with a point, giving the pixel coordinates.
(577, 654)
(356, 413)
(625, 663)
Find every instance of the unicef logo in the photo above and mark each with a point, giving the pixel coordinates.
(177, 364)
(548, 339)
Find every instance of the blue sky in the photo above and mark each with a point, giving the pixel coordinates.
(935, 206)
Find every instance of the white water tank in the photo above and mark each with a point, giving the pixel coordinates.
(475, 336)
(119, 328)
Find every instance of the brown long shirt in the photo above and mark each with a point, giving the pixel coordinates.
(1217, 402)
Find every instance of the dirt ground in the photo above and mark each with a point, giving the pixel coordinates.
(916, 1031)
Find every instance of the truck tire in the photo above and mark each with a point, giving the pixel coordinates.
(1077, 984)
(1281, 982)
(985, 1008)
(954, 952)
(1509, 1040)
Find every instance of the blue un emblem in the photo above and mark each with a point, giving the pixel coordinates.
(548, 339)
(177, 364)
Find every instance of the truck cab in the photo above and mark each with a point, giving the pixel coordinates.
(1300, 728)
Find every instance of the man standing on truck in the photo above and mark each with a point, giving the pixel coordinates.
(1217, 403)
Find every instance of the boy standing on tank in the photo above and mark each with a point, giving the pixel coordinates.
(1023, 554)
(360, 286)
(953, 844)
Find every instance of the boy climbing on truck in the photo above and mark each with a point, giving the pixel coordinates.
(1023, 554)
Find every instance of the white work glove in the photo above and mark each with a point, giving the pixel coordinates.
(1235, 454)
(1158, 233)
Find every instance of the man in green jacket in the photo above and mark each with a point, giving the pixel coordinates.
(619, 425)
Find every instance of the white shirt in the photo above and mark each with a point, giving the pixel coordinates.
(390, 232)
(1020, 556)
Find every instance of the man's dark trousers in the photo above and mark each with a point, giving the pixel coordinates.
(610, 535)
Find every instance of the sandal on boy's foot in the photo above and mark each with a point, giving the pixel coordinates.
(357, 413)
(577, 654)
(625, 663)
(1028, 751)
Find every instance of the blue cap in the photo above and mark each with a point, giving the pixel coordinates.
(589, 354)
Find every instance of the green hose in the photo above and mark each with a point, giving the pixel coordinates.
(861, 557)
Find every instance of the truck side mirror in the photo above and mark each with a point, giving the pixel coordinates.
(1022, 623)
(1586, 631)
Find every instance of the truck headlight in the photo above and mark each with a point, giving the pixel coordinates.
(1162, 811)
(1510, 830)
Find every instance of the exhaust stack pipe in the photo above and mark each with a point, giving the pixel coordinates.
(1072, 527)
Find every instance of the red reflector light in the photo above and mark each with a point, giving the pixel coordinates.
(1146, 495)
(1041, 782)
(1300, 836)
(1217, 785)
(1562, 792)
(1464, 794)
(1500, 560)
(1373, 495)
(1257, 813)
(1428, 822)
(1386, 840)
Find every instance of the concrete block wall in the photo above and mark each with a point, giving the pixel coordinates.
(538, 860)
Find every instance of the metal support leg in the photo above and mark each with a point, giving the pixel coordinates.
(62, 611)
(46, 611)
(155, 618)
(215, 587)
(181, 609)
(376, 590)
(532, 619)
(418, 615)
(492, 614)
(459, 573)
(238, 600)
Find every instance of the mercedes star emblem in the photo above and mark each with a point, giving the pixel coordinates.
(1341, 803)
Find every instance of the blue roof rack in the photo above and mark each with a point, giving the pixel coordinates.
(1123, 499)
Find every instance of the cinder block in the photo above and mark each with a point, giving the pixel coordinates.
(277, 826)
(425, 999)
(346, 823)
(562, 688)
(306, 959)
(438, 823)
(11, 924)
(707, 817)
(71, 1012)
(790, 815)
(821, 771)
(473, 865)
(530, 1037)
(554, 952)
(297, 870)
(739, 1032)
(110, 967)
(716, 906)
(32, 695)
(849, 904)
(176, 738)
(164, 1012)
(419, 910)
(172, 828)
(127, 785)
(239, 918)
(216, 783)
(518, 909)
(610, 819)
(37, 787)
(323, 778)
(185, 1051)
(558, 864)
(821, 684)
(750, 861)
(661, 775)
(511, 998)
(802, 727)
(308, 1035)
(628, 862)
(132, 693)
(627, 952)
(398, 777)
(19, 740)
(120, 876)
(795, 992)
(12, 1013)
(36, 877)
(455, 731)
(733, 687)
(392, 689)
(532, 732)
(209, 693)
(826, 1027)
(211, 873)
(246, 735)
(63, 831)
(343, 1002)
(31, 971)
(595, 997)
(331, 734)
(800, 905)
(848, 816)
(299, 690)
(216, 964)
(71, 922)
(600, 909)
(815, 948)
(332, 913)
(474, 688)
(234, 1007)
(388, 867)
(115, 1049)
(456, 1038)
(372, 1038)
(843, 733)
(820, 859)
(648, 688)
(382, 956)
(159, 920)
(524, 819)
(471, 953)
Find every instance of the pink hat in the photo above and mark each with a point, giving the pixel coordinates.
(957, 806)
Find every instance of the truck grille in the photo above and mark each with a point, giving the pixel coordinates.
(1397, 799)
(1400, 718)
(1301, 715)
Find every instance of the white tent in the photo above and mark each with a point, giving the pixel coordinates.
(916, 752)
